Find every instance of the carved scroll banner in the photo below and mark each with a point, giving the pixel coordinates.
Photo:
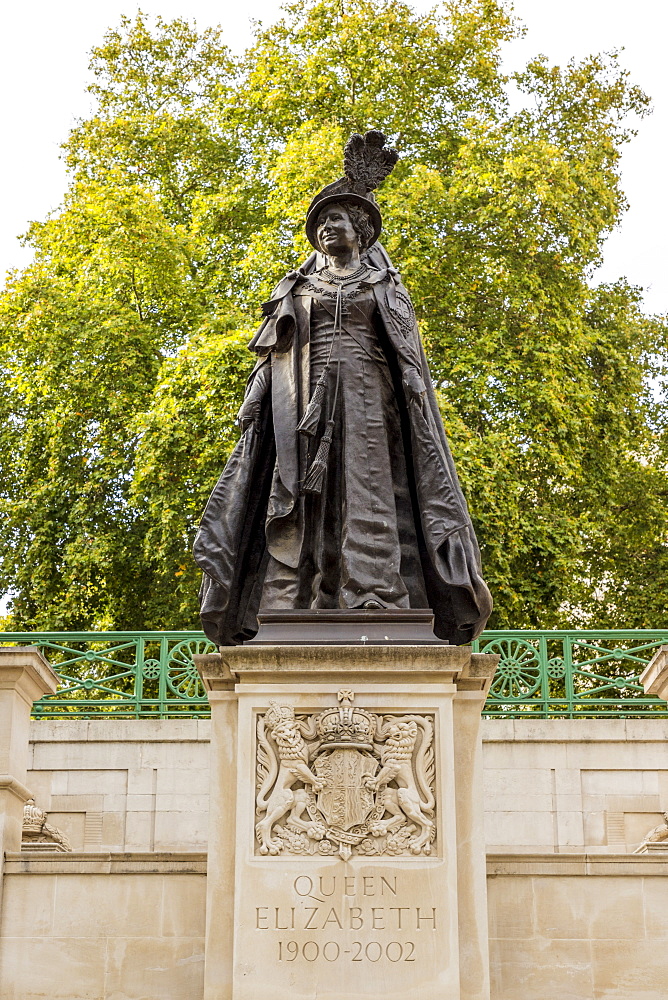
(357, 844)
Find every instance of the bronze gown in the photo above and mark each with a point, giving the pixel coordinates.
(391, 524)
(360, 542)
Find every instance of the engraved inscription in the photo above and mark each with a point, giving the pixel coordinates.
(331, 951)
(347, 919)
(344, 781)
(355, 918)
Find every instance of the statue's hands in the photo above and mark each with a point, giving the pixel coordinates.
(249, 414)
(414, 386)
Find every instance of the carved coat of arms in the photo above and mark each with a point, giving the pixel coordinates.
(344, 781)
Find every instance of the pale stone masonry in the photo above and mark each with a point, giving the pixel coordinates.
(25, 676)
(568, 786)
(565, 786)
(654, 677)
(97, 927)
(580, 927)
(415, 920)
(131, 927)
(573, 913)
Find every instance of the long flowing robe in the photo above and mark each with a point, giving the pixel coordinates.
(256, 538)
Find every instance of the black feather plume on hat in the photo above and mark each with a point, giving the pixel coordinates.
(367, 161)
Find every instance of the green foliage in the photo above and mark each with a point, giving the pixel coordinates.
(185, 439)
(123, 344)
(80, 359)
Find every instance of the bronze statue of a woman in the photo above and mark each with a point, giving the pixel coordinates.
(341, 492)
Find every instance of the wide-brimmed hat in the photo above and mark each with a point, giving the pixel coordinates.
(367, 161)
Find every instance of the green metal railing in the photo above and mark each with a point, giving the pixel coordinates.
(126, 675)
(541, 674)
(571, 674)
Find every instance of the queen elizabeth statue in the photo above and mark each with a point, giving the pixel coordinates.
(341, 492)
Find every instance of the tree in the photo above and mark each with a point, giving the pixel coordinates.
(82, 351)
(123, 343)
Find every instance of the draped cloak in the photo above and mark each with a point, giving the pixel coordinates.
(256, 507)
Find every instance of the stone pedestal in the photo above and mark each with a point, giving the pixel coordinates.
(346, 857)
(25, 676)
(654, 677)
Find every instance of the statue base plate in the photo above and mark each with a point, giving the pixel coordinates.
(347, 626)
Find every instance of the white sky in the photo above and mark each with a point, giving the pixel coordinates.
(43, 74)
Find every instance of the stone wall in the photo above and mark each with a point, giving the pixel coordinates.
(131, 927)
(573, 913)
(564, 786)
(95, 927)
(578, 927)
(594, 785)
(140, 785)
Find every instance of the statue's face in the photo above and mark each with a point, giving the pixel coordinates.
(335, 231)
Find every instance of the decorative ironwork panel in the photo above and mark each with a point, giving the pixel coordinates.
(571, 674)
(542, 674)
(120, 674)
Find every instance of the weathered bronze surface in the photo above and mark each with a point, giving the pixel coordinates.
(342, 492)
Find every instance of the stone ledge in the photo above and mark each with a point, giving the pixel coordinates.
(493, 730)
(647, 730)
(325, 663)
(14, 787)
(191, 863)
(575, 864)
(654, 677)
(26, 670)
(347, 664)
(166, 863)
(68, 730)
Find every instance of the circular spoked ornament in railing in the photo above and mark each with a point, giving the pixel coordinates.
(518, 675)
(182, 677)
(556, 668)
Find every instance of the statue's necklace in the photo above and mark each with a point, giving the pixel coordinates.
(343, 279)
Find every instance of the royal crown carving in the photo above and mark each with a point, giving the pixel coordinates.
(346, 726)
(344, 781)
(38, 834)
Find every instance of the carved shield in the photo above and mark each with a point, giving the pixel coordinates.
(345, 801)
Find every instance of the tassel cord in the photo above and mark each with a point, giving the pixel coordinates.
(315, 477)
(308, 425)
(338, 330)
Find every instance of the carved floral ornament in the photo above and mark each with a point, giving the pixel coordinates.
(344, 781)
